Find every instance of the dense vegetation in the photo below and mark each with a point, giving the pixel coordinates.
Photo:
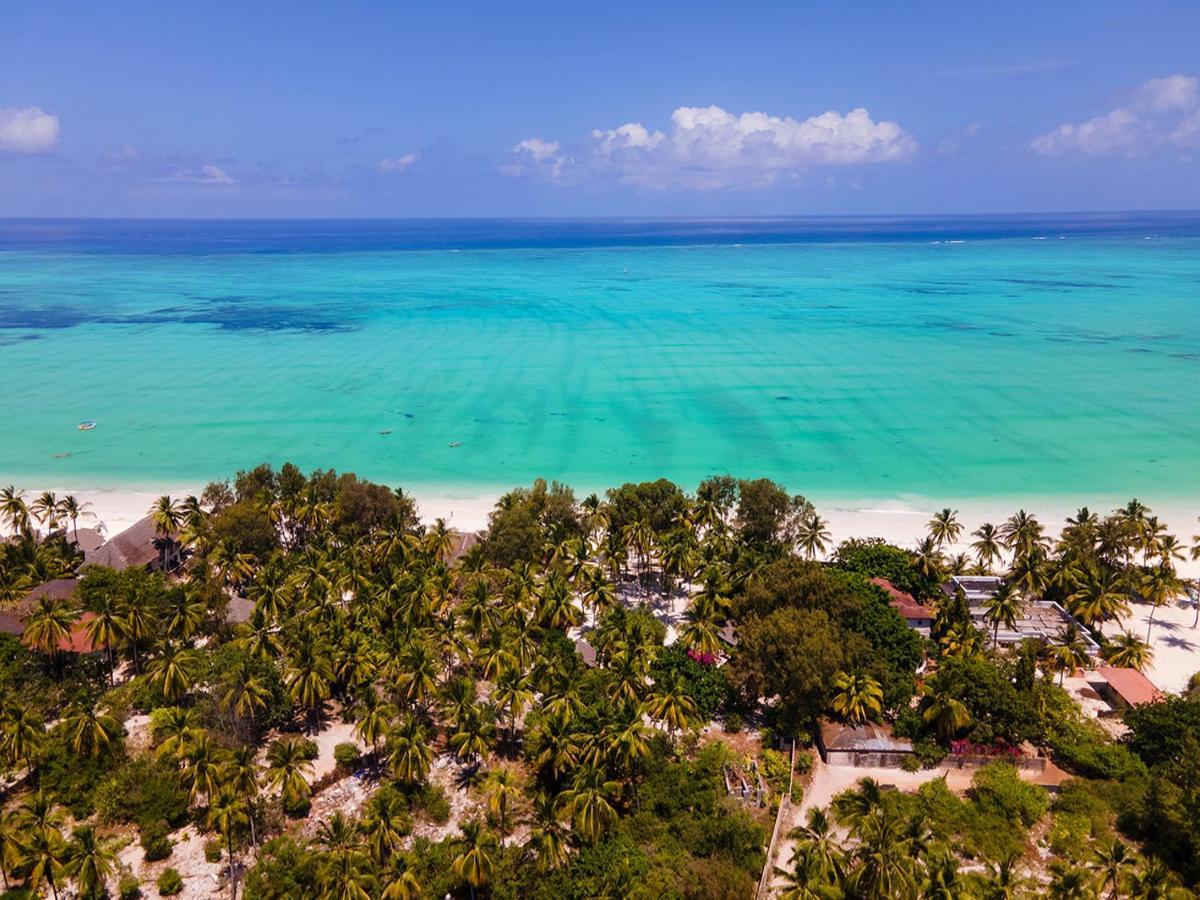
(491, 754)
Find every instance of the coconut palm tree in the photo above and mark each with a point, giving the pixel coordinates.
(45, 509)
(817, 848)
(1113, 860)
(813, 535)
(1154, 881)
(288, 767)
(105, 628)
(409, 752)
(227, 813)
(1004, 607)
(202, 766)
(945, 712)
(173, 670)
(1068, 882)
(90, 731)
(48, 626)
(944, 527)
(44, 858)
(1098, 594)
(928, 560)
(1022, 533)
(547, 836)
(670, 704)
(987, 547)
(240, 774)
(852, 806)
(399, 881)
(1126, 650)
(589, 803)
(175, 731)
(473, 863)
(884, 864)
(71, 509)
(858, 697)
(502, 787)
(13, 509)
(243, 691)
(383, 826)
(1069, 652)
(1158, 586)
(309, 676)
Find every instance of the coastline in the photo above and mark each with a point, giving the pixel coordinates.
(899, 520)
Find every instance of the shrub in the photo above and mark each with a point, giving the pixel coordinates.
(212, 851)
(170, 883)
(156, 841)
(775, 769)
(804, 763)
(733, 723)
(997, 789)
(142, 791)
(911, 763)
(128, 887)
(346, 755)
(928, 754)
(310, 749)
(431, 799)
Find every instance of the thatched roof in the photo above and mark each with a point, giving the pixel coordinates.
(133, 547)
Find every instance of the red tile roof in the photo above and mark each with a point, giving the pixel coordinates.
(1130, 685)
(903, 601)
(78, 641)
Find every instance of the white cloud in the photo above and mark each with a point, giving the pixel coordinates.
(709, 148)
(205, 174)
(397, 164)
(28, 130)
(1156, 116)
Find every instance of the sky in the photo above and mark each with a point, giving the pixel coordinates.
(398, 109)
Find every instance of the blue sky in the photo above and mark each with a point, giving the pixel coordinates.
(508, 109)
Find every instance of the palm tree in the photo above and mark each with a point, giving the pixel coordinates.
(987, 548)
(1069, 652)
(884, 863)
(928, 560)
(400, 882)
(105, 628)
(502, 788)
(244, 692)
(945, 712)
(589, 803)
(409, 752)
(858, 697)
(670, 704)
(227, 812)
(813, 535)
(202, 766)
(72, 510)
(1112, 861)
(1126, 650)
(44, 858)
(309, 676)
(49, 625)
(473, 863)
(240, 775)
(547, 836)
(944, 527)
(1158, 587)
(287, 768)
(13, 509)
(45, 510)
(384, 825)
(1154, 881)
(173, 670)
(1022, 533)
(817, 848)
(22, 733)
(852, 806)
(89, 730)
(175, 731)
(1069, 882)
(1004, 607)
(1098, 595)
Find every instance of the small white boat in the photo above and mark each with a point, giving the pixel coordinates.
(456, 443)
(87, 425)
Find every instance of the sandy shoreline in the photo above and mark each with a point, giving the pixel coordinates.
(899, 521)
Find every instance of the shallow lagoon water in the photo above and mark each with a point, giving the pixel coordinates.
(981, 357)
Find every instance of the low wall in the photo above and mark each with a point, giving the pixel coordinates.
(875, 759)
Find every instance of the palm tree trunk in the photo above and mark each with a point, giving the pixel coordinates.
(1150, 623)
(232, 883)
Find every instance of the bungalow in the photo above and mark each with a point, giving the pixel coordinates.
(978, 589)
(1124, 687)
(139, 545)
(918, 616)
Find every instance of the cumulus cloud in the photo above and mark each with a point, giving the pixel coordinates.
(1162, 112)
(708, 148)
(28, 130)
(397, 164)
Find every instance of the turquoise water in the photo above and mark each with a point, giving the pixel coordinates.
(1038, 357)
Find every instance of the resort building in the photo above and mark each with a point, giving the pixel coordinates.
(978, 589)
(918, 616)
(139, 546)
(1124, 687)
